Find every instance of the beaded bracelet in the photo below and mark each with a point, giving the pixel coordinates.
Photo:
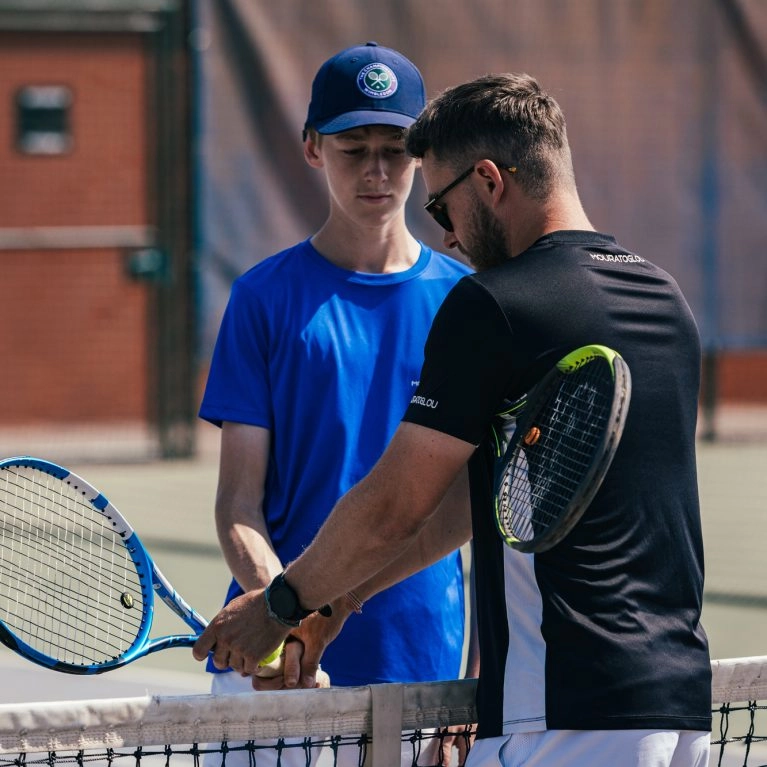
(354, 601)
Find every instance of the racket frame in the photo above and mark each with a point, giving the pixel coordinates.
(525, 411)
(150, 577)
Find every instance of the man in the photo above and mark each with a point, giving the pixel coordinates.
(592, 652)
(317, 357)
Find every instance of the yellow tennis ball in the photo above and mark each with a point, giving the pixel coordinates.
(273, 657)
(271, 666)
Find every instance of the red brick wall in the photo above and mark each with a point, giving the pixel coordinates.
(104, 179)
(70, 346)
(75, 328)
(743, 377)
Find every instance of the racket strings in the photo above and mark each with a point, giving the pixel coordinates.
(64, 572)
(555, 452)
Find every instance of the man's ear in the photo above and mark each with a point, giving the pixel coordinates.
(490, 180)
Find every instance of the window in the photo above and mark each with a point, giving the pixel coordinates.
(42, 119)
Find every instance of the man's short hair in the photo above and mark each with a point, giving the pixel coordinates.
(507, 118)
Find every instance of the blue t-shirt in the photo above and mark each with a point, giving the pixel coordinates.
(327, 360)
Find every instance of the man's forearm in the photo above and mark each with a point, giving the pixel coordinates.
(383, 516)
(445, 531)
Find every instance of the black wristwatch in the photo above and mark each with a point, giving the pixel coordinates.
(283, 606)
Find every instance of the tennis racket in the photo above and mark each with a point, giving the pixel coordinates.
(566, 432)
(77, 585)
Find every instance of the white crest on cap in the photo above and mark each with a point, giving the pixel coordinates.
(377, 81)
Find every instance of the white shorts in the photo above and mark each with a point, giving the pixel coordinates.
(594, 748)
(348, 756)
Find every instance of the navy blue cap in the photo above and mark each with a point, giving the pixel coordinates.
(365, 85)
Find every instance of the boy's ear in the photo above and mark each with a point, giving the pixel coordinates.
(312, 143)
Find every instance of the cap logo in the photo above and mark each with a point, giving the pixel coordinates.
(377, 81)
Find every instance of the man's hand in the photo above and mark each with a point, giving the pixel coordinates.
(303, 650)
(241, 635)
(289, 676)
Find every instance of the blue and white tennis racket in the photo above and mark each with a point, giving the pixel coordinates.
(77, 585)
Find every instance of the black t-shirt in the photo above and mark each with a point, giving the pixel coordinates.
(603, 630)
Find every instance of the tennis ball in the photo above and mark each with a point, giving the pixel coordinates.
(271, 666)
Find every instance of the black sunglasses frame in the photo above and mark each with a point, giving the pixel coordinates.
(439, 212)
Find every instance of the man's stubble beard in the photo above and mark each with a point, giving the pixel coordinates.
(486, 243)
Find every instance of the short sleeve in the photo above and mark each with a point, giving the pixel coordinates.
(467, 368)
(238, 389)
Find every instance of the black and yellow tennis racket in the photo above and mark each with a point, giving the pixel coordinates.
(566, 433)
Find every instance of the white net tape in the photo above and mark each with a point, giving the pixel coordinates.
(384, 712)
(159, 720)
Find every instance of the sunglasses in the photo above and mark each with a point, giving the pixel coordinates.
(439, 211)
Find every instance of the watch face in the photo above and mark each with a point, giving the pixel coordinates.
(282, 603)
(283, 600)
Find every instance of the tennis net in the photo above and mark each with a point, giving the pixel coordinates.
(372, 726)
